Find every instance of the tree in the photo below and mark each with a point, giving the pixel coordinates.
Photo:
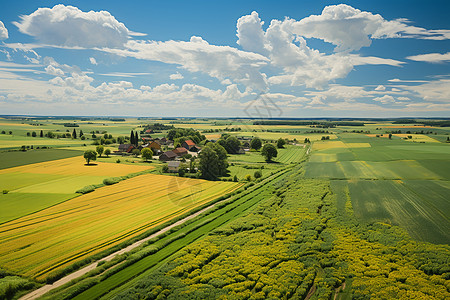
(81, 133)
(222, 155)
(28, 133)
(147, 154)
(232, 144)
(33, 134)
(90, 155)
(281, 143)
(257, 174)
(132, 137)
(235, 179)
(256, 143)
(136, 138)
(269, 151)
(107, 152)
(209, 163)
(390, 135)
(136, 152)
(74, 134)
(100, 150)
(248, 177)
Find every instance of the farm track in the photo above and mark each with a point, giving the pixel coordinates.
(46, 288)
(49, 287)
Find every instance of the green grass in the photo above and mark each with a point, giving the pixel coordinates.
(19, 158)
(15, 205)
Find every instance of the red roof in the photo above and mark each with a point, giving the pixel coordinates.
(190, 143)
(180, 150)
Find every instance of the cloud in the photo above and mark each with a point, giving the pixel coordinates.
(69, 26)
(385, 99)
(51, 70)
(380, 88)
(437, 90)
(93, 61)
(176, 76)
(3, 31)
(403, 98)
(351, 29)
(124, 74)
(372, 60)
(197, 55)
(431, 57)
(250, 33)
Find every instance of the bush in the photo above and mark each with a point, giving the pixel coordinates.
(118, 161)
(165, 169)
(5, 192)
(257, 174)
(86, 189)
(112, 180)
(248, 177)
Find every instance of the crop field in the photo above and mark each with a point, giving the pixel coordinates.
(36, 186)
(285, 135)
(44, 242)
(19, 158)
(407, 204)
(391, 181)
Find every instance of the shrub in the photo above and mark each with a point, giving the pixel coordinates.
(248, 177)
(111, 180)
(118, 161)
(5, 192)
(257, 174)
(86, 189)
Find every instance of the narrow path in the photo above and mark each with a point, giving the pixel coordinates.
(48, 287)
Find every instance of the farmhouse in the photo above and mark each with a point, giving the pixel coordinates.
(180, 151)
(154, 145)
(173, 166)
(126, 148)
(168, 155)
(188, 144)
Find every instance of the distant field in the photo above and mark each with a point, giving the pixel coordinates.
(36, 186)
(43, 242)
(19, 158)
(276, 135)
(15, 142)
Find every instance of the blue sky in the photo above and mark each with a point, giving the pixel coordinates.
(215, 59)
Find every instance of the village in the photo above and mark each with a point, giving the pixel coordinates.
(167, 150)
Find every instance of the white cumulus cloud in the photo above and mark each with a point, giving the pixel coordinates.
(385, 99)
(176, 76)
(69, 26)
(3, 31)
(51, 70)
(380, 88)
(250, 33)
(197, 55)
(351, 29)
(93, 61)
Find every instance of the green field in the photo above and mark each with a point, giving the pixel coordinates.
(19, 158)
(392, 181)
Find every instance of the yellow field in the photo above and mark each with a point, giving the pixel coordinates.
(76, 166)
(357, 145)
(322, 145)
(418, 138)
(39, 244)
